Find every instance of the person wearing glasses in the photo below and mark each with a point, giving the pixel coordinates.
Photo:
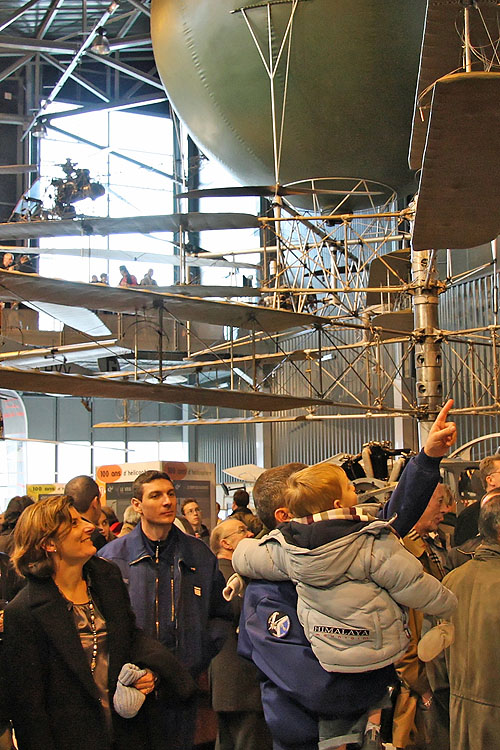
(489, 472)
(234, 681)
(192, 511)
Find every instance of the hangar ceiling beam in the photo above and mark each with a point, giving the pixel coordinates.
(114, 106)
(129, 23)
(118, 44)
(14, 17)
(137, 85)
(141, 7)
(128, 70)
(29, 44)
(49, 18)
(118, 154)
(26, 44)
(69, 70)
(77, 78)
(14, 67)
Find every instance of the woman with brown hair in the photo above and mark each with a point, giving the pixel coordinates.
(68, 634)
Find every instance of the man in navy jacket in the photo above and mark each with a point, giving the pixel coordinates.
(295, 688)
(175, 589)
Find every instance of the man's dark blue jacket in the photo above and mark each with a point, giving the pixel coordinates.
(195, 621)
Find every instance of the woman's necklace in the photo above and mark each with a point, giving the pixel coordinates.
(93, 629)
(93, 661)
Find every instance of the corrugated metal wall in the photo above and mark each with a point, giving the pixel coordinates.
(314, 441)
(225, 446)
(311, 442)
(464, 305)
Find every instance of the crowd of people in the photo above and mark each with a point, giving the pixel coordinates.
(126, 278)
(318, 622)
(27, 264)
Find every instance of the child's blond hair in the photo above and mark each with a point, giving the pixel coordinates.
(314, 489)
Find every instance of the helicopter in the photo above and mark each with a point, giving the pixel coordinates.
(75, 186)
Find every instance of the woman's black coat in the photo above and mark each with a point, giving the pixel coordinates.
(52, 698)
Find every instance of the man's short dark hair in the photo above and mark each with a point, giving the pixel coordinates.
(82, 489)
(147, 476)
(188, 501)
(487, 467)
(268, 491)
(489, 518)
(241, 498)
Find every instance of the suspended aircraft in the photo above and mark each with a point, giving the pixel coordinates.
(310, 103)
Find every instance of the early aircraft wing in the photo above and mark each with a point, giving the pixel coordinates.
(84, 386)
(129, 256)
(23, 356)
(18, 168)
(387, 270)
(192, 222)
(458, 204)
(18, 287)
(75, 317)
(197, 422)
(245, 472)
(442, 50)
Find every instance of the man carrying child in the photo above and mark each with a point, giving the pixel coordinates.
(354, 580)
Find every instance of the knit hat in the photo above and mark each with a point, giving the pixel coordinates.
(127, 700)
(436, 640)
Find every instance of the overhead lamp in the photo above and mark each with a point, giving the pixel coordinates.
(100, 45)
(39, 129)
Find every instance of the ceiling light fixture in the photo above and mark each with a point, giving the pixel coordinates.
(100, 45)
(39, 129)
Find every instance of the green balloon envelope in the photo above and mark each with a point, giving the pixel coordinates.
(350, 76)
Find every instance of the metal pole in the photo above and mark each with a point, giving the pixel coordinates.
(367, 337)
(467, 46)
(188, 337)
(495, 362)
(472, 375)
(254, 362)
(429, 386)
(320, 361)
(160, 343)
(136, 349)
(232, 355)
(277, 214)
(495, 279)
(182, 252)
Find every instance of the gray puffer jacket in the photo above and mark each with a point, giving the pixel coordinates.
(352, 590)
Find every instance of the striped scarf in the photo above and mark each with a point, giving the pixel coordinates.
(433, 556)
(336, 514)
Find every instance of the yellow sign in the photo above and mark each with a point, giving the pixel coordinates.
(39, 491)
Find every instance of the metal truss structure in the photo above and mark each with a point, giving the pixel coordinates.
(375, 346)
